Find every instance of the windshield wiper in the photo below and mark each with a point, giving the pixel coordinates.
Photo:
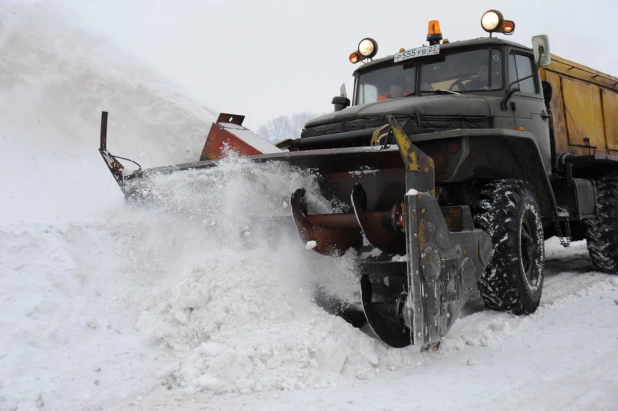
(440, 91)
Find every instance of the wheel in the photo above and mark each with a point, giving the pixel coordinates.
(509, 213)
(602, 232)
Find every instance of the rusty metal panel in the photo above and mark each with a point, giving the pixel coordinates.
(584, 114)
(219, 140)
(610, 113)
(558, 118)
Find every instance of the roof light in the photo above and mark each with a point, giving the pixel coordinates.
(508, 27)
(354, 57)
(434, 27)
(368, 47)
(434, 34)
(491, 20)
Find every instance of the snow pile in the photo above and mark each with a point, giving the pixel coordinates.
(54, 83)
(68, 317)
(238, 321)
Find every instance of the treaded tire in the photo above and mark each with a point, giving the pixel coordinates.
(509, 213)
(602, 232)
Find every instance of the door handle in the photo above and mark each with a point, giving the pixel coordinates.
(545, 115)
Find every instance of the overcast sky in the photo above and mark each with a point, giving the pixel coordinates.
(272, 57)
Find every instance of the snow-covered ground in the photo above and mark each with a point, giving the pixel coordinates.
(191, 306)
(563, 357)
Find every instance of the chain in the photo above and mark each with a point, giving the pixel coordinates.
(565, 241)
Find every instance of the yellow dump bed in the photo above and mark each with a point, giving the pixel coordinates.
(584, 107)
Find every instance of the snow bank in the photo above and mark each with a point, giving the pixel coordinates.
(67, 317)
(54, 83)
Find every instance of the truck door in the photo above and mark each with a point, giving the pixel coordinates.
(528, 105)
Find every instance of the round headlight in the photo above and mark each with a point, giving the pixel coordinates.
(368, 48)
(491, 20)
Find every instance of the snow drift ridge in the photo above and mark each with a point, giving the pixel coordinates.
(54, 82)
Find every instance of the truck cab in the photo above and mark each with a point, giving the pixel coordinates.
(486, 69)
(481, 83)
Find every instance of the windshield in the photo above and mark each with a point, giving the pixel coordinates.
(462, 72)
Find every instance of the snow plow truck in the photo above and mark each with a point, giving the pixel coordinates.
(478, 151)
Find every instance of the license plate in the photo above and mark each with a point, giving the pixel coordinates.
(417, 52)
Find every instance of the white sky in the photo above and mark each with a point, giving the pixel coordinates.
(272, 57)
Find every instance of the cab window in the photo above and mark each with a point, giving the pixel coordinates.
(386, 83)
(474, 70)
(460, 71)
(521, 66)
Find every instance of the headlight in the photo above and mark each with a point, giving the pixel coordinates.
(368, 47)
(354, 57)
(491, 20)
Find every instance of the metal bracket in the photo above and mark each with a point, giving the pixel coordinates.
(565, 240)
(115, 167)
(230, 118)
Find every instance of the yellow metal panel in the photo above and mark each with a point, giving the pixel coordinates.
(558, 120)
(584, 114)
(575, 70)
(610, 111)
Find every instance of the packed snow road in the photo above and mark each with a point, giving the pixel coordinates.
(146, 313)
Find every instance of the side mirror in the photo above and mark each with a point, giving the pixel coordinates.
(540, 45)
(341, 102)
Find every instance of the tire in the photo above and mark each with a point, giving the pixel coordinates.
(509, 213)
(602, 232)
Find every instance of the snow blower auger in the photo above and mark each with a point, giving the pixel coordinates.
(418, 262)
(416, 299)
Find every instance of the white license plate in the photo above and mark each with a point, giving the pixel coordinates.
(417, 52)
